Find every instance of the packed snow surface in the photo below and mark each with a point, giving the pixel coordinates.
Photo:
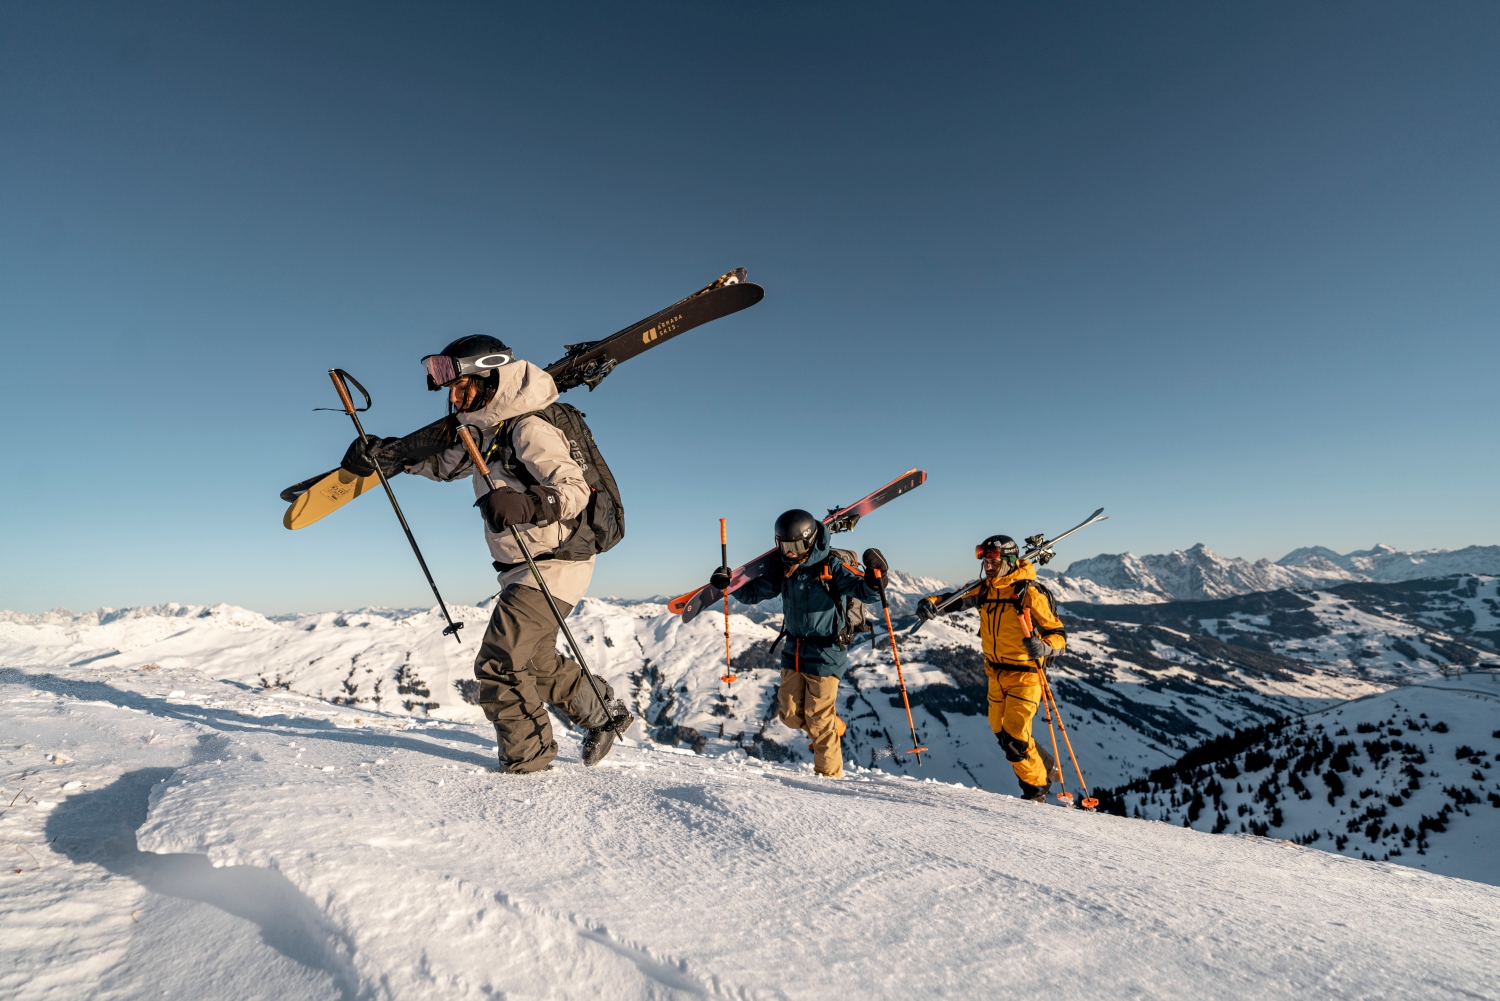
(171, 835)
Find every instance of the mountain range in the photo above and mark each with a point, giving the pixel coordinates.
(1199, 573)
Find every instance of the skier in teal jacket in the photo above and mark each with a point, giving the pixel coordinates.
(815, 587)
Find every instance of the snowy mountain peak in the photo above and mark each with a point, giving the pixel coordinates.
(232, 616)
(1200, 573)
(1311, 556)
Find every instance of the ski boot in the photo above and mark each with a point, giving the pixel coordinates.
(1034, 794)
(599, 742)
(1054, 770)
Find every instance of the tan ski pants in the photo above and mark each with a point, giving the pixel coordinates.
(520, 673)
(809, 702)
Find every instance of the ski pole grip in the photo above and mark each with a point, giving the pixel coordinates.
(468, 439)
(344, 396)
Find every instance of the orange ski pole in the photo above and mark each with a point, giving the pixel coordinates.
(728, 677)
(1049, 706)
(1089, 802)
(1064, 796)
(900, 677)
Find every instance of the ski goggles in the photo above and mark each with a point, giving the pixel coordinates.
(995, 551)
(445, 370)
(795, 549)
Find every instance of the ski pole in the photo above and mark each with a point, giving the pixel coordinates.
(338, 376)
(1052, 700)
(484, 470)
(1088, 802)
(1050, 707)
(900, 677)
(729, 677)
(1063, 796)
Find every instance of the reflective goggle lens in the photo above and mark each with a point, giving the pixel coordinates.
(983, 552)
(793, 548)
(440, 369)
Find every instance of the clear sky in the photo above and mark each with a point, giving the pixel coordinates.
(1230, 271)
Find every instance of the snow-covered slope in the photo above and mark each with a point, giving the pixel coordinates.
(1140, 684)
(1200, 573)
(1387, 633)
(175, 836)
(1408, 774)
(1142, 714)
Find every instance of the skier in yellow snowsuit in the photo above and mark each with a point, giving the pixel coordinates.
(1020, 630)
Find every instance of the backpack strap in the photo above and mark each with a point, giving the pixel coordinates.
(505, 453)
(1052, 607)
(825, 577)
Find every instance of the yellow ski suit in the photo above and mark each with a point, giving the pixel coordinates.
(1015, 690)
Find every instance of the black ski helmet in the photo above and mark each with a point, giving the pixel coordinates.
(797, 532)
(999, 547)
(476, 354)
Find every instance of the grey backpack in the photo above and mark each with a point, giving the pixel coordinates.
(855, 615)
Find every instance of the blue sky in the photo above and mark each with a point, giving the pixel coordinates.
(1229, 271)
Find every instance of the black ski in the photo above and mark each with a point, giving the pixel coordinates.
(587, 363)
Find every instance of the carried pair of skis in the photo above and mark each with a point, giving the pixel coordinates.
(585, 364)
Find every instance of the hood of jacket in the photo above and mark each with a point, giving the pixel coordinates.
(819, 551)
(1023, 572)
(523, 388)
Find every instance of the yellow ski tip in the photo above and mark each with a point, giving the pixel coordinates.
(327, 496)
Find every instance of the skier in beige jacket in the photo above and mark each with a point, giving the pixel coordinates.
(519, 670)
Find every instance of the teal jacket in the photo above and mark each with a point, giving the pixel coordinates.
(811, 616)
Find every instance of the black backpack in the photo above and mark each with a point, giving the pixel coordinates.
(602, 524)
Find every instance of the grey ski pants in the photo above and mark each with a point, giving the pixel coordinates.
(520, 673)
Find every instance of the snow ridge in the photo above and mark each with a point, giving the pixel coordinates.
(1199, 573)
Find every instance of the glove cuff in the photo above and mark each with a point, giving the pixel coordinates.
(548, 505)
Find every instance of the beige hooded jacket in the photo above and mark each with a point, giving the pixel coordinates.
(525, 388)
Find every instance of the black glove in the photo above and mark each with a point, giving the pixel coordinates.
(875, 560)
(359, 459)
(927, 608)
(548, 505)
(720, 579)
(502, 508)
(1036, 649)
